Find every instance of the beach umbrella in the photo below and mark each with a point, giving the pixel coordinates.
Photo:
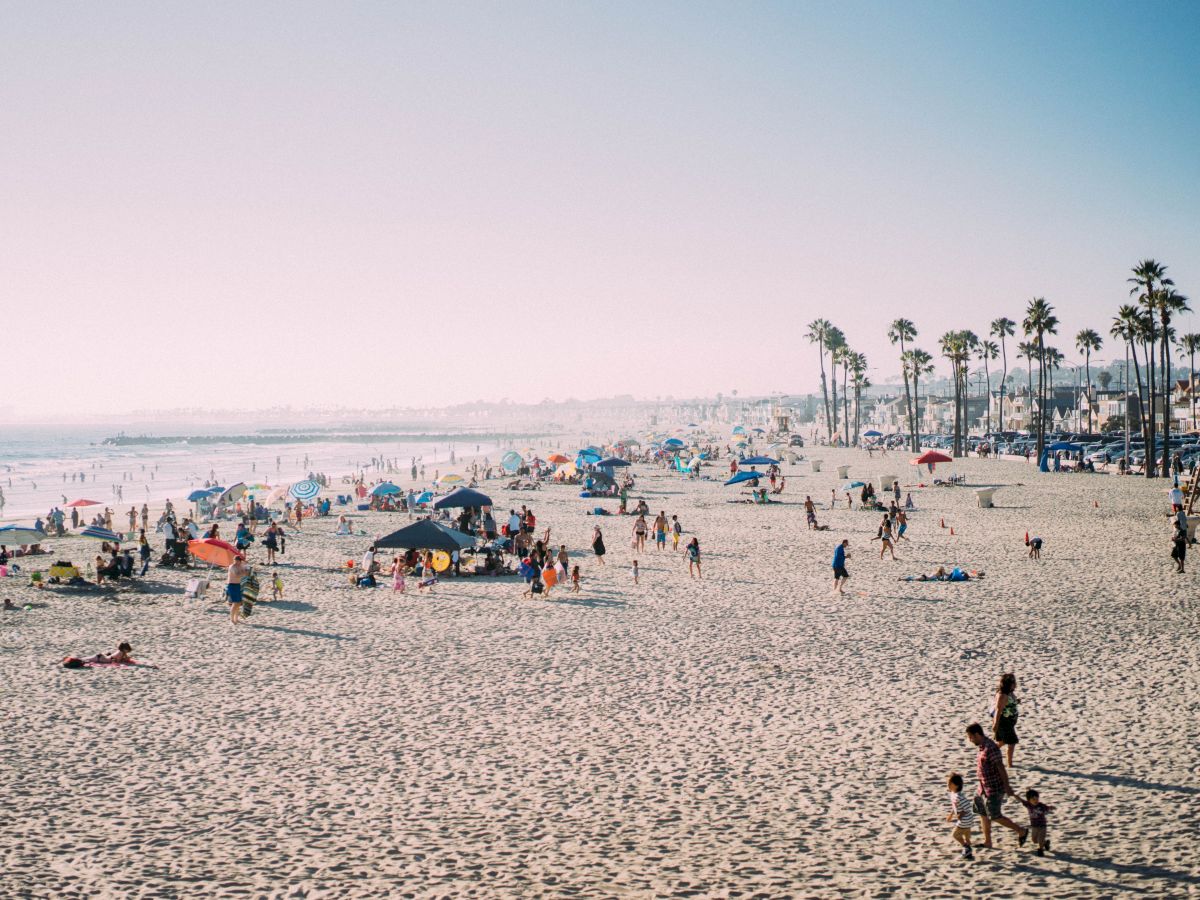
(463, 497)
(423, 535)
(758, 461)
(450, 478)
(931, 456)
(199, 494)
(694, 462)
(276, 495)
(215, 551)
(305, 490)
(558, 459)
(424, 497)
(672, 442)
(759, 431)
(257, 488)
(739, 477)
(511, 461)
(848, 486)
(384, 488)
(567, 469)
(15, 535)
(96, 533)
(739, 429)
(233, 492)
(872, 433)
(83, 503)
(1064, 445)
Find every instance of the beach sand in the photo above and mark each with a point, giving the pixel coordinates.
(745, 735)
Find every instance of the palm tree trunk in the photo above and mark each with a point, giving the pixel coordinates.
(1087, 366)
(833, 390)
(1152, 390)
(1003, 379)
(1166, 390)
(1137, 371)
(988, 394)
(846, 398)
(825, 390)
(1192, 384)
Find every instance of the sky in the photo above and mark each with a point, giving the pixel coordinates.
(322, 203)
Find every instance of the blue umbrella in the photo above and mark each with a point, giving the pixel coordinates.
(385, 488)
(672, 442)
(305, 490)
(14, 535)
(1064, 445)
(424, 497)
(744, 476)
(759, 461)
(200, 494)
(100, 534)
(850, 485)
(511, 461)
(739, 429)
(872, 433)
(465, 497)
(759, 431)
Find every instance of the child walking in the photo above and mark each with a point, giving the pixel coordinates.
(635, 571)
(575, 580)
(961, 814)
(1037, 821)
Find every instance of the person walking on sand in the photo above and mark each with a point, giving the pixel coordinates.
(635, 571)
(660, 530)
(233, 589)
(1004, 715)
(841, 553)
(676, 532)
(598, 545)
(1179, 547)
(639, 534)
(993, 786)
(693, 555)
(884, 536)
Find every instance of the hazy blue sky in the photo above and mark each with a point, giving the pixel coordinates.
(413, 203)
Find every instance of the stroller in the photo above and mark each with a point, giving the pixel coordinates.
(177, 556)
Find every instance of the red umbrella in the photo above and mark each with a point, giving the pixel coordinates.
(931, 456)
(83, 503)
(214, 551)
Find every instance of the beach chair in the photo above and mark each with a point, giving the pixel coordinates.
(195, 588)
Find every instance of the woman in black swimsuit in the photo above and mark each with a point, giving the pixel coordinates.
(598, 545)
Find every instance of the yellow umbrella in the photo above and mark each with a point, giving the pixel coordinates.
(450, 478)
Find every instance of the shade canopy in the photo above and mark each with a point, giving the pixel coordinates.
(463, 496)
(215, 551)
(850, 486)
(199, 494)
(758, 461)
(83, 503)
(1064, 445)
(385, 488)
(740, 477)
(872, 433)
(611, 462)
(422, 535)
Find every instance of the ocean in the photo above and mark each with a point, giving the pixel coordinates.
(42, 467)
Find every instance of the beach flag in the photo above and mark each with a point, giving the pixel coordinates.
(1027, 538)
(943, 523)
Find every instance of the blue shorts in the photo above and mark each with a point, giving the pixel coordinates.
(233, 593)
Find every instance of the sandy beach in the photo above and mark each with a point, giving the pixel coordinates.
(748, 734)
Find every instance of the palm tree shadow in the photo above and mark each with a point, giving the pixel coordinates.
(302, 632)
(1120, 780)
(1142, 870)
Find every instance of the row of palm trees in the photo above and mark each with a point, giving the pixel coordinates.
(1145, 324)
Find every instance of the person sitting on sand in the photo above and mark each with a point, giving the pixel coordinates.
(343, 525)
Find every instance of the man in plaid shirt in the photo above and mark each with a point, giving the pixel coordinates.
(993, 786)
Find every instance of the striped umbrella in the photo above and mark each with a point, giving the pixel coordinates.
(12, 535)
(305, 490)
(96, 533)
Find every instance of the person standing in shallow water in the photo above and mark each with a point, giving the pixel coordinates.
(1004, 715)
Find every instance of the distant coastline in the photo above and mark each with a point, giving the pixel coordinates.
(281, 436)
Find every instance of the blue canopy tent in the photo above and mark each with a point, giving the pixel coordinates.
(613, 462)
(422, 535)
(463, 497)
(758, 461)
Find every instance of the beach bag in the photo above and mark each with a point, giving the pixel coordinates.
(536, 586)
(72, 662)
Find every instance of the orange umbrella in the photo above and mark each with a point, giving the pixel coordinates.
(214, 551)
(931, 456)
(78, 503)
(558, 458)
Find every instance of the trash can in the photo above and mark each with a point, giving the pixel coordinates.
(816, 464)
(843, 472)
(984, 497)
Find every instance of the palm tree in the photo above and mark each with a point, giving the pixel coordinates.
(1190, 344)
(1054, 362)
(1170, 303)
(1039, 322)
(835, 342)
(1026, 350)
(858, 369)
(818, 333)
(956, 348)
(1149, 278)
(1126, 325)
(1087, 342)
(1002, 328)
(988, 351)
(918, 363)
(899, 332)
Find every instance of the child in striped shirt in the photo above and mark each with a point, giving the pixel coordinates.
(961, 814)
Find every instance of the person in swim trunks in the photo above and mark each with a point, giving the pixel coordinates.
(233, 589)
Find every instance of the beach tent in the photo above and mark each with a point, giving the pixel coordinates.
(16, 535)
(214, 551)
(758, 461)
(602, 479)
(747, 475)
(232, 493)
(464, 497)
(511, 461)
(384, 488)
(423, 535)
